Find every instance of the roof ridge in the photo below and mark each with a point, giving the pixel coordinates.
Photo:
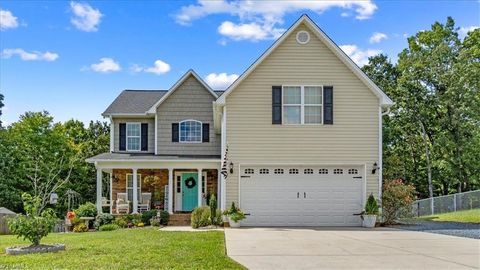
(145, 90)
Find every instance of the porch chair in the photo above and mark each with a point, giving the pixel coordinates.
(123, 205)
(144, 204)
(105, 202)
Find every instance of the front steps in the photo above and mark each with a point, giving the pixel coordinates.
(179, 219)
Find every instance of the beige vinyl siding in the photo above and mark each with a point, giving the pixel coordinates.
(251, 137)
(151, 132)
(191, 100)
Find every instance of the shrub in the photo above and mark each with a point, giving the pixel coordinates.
(154, 222)
(103, 219)
(76, 221)
(397, 199)
(140, 224)
(218, 220)
(80, 228)
(35, 224)
(371, 207)
(108, 227)
(148, 215)
(212, 203)
(86, 210)
(164, 218)
(120, 222)
(200, 217)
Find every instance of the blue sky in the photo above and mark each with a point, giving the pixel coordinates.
(73, 58)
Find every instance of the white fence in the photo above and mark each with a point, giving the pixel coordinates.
(448, 203)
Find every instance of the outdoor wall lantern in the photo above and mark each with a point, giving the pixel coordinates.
(231, 167)
(375, 168)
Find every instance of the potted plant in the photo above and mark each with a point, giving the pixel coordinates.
(369, 216)
(235, 215)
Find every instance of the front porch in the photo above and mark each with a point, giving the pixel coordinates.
(176, 187)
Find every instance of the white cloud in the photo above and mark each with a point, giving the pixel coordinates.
(106, 65)
(463, 31)
(30, 56)
(159, 67)
(359, 56)
(259, 19)
(85, 17)
(377, 37)
(7, 20)
(220, 81)
(251, 31)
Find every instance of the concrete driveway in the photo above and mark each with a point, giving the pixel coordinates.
(349, 248)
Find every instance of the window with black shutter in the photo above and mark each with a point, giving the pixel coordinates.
(122, 137)
(277, 105)
(328, 105)
(205, 132)
(175, 132)
(144, 135)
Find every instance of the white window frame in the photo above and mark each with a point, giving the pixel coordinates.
(139, 124)
(139, 182)
(180, 131)
(303, 105)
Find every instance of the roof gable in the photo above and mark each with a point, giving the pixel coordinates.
(189, 73)
(384, 99)
(133, 102)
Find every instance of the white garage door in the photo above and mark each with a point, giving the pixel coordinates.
(301, 195)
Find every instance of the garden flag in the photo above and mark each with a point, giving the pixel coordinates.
(224, 170)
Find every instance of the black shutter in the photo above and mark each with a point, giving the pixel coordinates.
(205, 132)
(328, 105)
(122, 137)
(174, 132)
(276, 104)
(144, 137)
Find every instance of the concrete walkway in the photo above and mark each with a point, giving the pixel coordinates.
(349, 248)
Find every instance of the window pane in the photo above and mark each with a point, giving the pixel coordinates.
(133, 143)
(313, 95)
(313, 115)
(291, 114)
(133, 129)
(190, 131)
(291, 95)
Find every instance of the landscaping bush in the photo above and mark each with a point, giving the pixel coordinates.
(154, 222)
(140, 224)
(218, 220)
(103, 219)
(200, 217)
(397, 199)
(35, 224)
(108, 227)
(164, 218)
(86, 210)
(120, 222)
(80, 228)
(148, 215)
(371, 207)
(212, 203)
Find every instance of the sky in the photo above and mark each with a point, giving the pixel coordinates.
(72, 58)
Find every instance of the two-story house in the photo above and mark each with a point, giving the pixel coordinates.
(298, 137)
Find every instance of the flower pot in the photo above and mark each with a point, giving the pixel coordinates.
(233, 224)
(369, 221)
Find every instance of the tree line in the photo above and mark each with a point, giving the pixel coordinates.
(431, 136)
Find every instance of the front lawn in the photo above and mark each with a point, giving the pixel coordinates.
(469, 216)
(146, 248)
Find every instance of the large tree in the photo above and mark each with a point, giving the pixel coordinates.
(1, 106)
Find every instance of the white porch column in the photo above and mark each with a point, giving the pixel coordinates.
(135, 192)
(111, 193)
(200, 197)
(170, 190)
(99, 190)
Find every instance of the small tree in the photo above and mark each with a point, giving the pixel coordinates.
(397, 199)
(36, 224)
(371, 207)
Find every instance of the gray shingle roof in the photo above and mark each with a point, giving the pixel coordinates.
(134, 101)
(148, 156)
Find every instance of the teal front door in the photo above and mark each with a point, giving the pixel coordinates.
(189, 191)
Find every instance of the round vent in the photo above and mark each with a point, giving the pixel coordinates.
(303, 37)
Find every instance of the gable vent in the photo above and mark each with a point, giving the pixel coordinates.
(303, 37)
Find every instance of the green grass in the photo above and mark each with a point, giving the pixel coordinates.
(468, 216)
(146, 248)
